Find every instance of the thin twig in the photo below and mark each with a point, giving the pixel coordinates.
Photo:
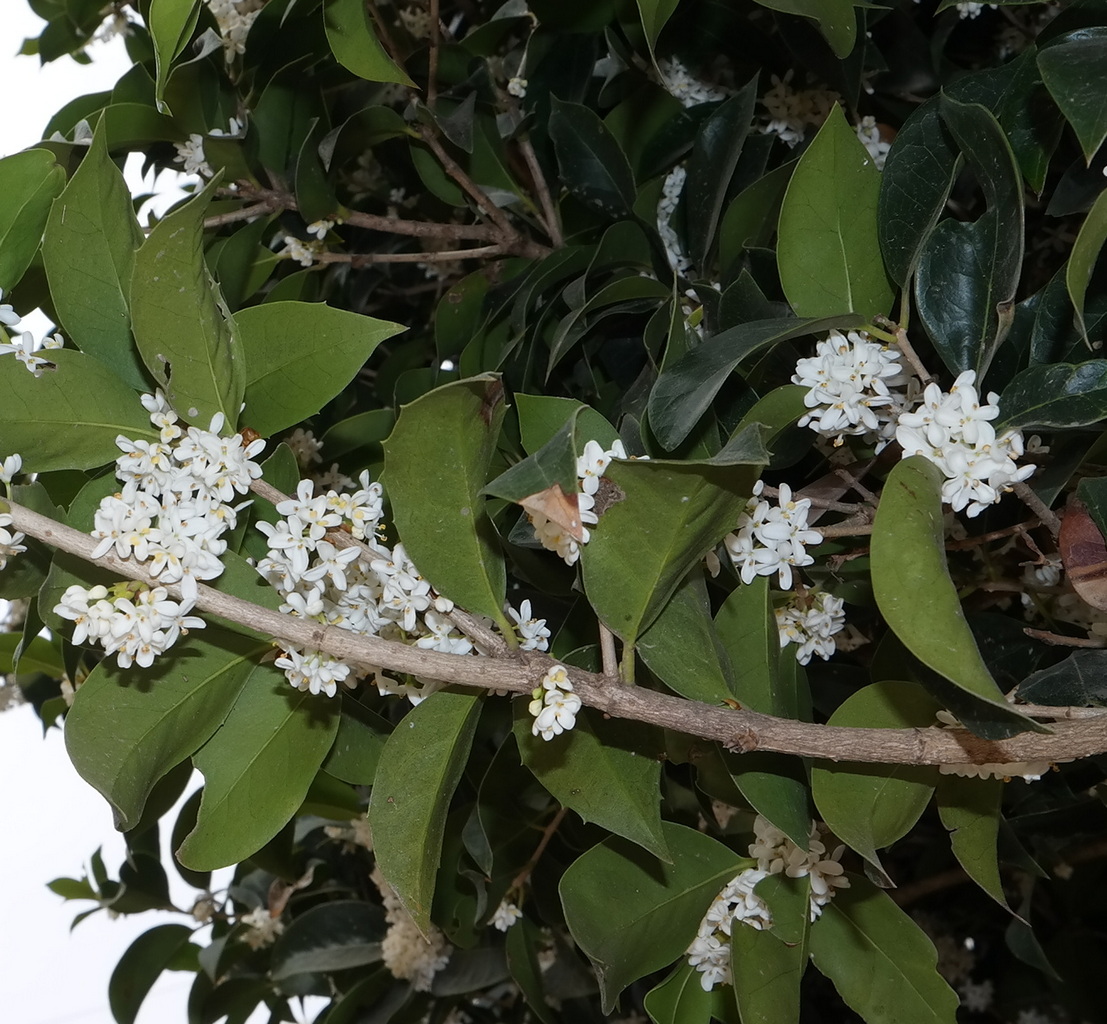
(1031, 500)
(1059, 640)
(435, 42)
(858, 529)
(476, 193)
(551, 218)
(547, 834)
(986, 538)
(243, 213)
(817, 502)
(740, 730)
(362, 259)
(609, 659)
(907, 349)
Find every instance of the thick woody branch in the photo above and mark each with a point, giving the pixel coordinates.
(519, 672)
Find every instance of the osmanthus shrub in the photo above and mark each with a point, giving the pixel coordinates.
(607, 494)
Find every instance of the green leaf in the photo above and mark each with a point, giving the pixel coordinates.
(257, 768)
(286, 378)
(37, 656)
(357, 745)
(751, 217)
(913, 589)
(591, 164)
(835, 19)
(680, 999)
(1082, 259)
(353, 41)
(767, 974)
(654, 14)
(828, 247)
(89, 256)
(335, 936)
(542, 416)
(772, 783)
(871, 806)
(1060, 395)
(419, 769)
(682, 648)
(683, 394)
(882, 965)
(667, 516)
(968, 272)
(632, 914)
(69, 417)
(608, 772)
(914, 187)
(522, 961)
(171, 23)
(29, 183)
(437, 505)
(1074, 69)
(185, 333)
(1078, 681)
(127, 728)
(141, 965)
(711, 168)
(970, 810)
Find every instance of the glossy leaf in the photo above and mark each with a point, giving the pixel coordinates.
(89, 253)
(914, 186)
(882, 965)
(171, 23)
(682, 648)
(684, 393)
(29, 183)
(970, 810)
(141, 965)
(1060, 395)
(1078, 681)
(913, 589)
(828, 251)
(608, 772)
(335, 936)
(186, 335)
(871, 806)
(69, 417)
(286, 380)
(354, 43)
(835, 19)
(125, 730)
(438, 507)
(358, 744)
(1082, 259)
(654, 14)
(632, 914)
(681, 999)
(968, 271)
(419, 768)
(1074, 68)
(592, 165)
(542, 416)
(669, 515)
(257, 768)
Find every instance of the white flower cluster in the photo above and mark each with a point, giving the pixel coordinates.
(554, 706)
(710, 950)
(191, 153)
(682, 85)
(24, 347)
(134, 622)
(777, 854)
(507, 913)
(790, 112)
(532, 631)
(305, 446)
(671, 190)
(869, 133)
(302, 252)
(811, 620)
(953, 431)
(855, 388)
(235, 18)
(772, 538)
(517, 87)
(263, 928)
(406, 954)
(11, 541)
(972, 10)
(591, 465)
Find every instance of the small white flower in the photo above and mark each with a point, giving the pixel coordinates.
(507, 913)
(517, 87)
(554, 705)
(10, 467)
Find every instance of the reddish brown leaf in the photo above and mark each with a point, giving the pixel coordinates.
(558, 507)
(1084, 554)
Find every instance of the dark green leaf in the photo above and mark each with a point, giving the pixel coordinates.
(1082, 260)
(438, 507)
(1061, 395)
(331, 937)
(171, 23)
(286, 378)
(29, 182)
(767, 974)
(751, 217)
(1078, 681)
(419, 768)
(632, 914)
(835, 19)
(828, 250)
(680, 999)
(655, 13)
(970, 810)
(141, 965)
(592, 165)
(357, 745)
(1074, 68)
(353, 41)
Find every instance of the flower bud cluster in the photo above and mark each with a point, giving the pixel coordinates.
(134, 622)
(24, 348)
(777, 854)
(554, 706)
(406, 953)
(682, 85)
(671, 189)
(507, 913)
(1028, 771)
(772, 538)
(710, 950)
(173, 509)
(953, 430)
(811, 620)
(790, 112)
(854, 387)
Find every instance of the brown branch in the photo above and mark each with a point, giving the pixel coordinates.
(817, 502)
(364, 259)
(265, 206)
(739, 730)
(847, 529)
(476, 193)
(610, 660)
(547, 834)
(1058, 640)
(907, 349)
(1031, 500)
(435, 42)
(551, 219)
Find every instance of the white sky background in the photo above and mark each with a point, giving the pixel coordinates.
(50, 819)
